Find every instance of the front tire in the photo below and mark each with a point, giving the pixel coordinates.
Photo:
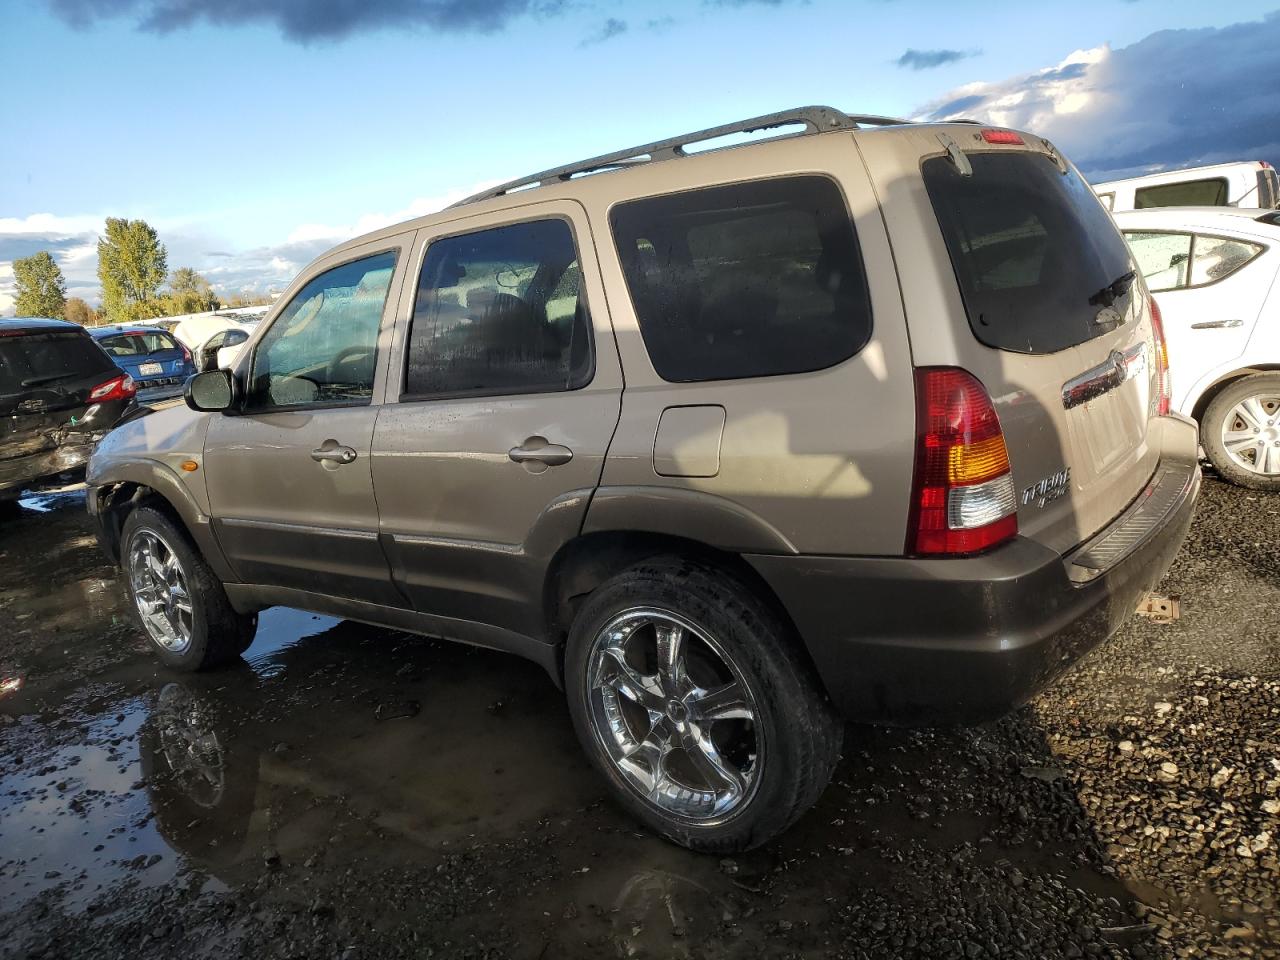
(694, 700)
(1240, 431)
(179, 602)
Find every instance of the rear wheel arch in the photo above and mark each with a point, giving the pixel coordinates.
(588, 561)
(1222, 382)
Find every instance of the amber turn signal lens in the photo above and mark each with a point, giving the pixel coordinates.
(190, 466)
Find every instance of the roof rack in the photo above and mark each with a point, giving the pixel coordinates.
(814, 119)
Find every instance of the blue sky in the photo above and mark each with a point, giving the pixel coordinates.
(254, 133)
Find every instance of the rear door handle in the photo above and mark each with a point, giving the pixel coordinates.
(1217, 324)
(539, 450)
(333, 452)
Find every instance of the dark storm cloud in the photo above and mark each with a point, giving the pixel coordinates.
(1175, 98)
(306, 20)
(928, 59)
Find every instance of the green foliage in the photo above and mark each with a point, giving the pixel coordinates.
(132, 265)
(188, 293)
(78, 311)
(41, 290)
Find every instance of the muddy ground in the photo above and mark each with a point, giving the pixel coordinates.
(357, 793)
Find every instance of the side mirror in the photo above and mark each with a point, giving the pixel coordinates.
(210, 391)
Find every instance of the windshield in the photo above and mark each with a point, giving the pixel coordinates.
(35, 359)
(1035, 253)
(138, 344)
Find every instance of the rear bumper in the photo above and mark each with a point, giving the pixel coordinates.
(918, 641)
(23, 471)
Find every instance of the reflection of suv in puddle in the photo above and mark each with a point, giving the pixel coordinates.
(870, 420)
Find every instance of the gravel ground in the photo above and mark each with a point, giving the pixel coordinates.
(356, 793)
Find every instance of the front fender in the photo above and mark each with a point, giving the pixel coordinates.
(148, 453)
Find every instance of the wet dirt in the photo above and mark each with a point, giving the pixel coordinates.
(351, 792)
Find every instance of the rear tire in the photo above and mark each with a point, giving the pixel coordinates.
(178, 601)
(1245, 452)
(718, 773)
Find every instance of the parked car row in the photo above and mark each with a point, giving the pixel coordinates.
(60, 393)
(62, 386)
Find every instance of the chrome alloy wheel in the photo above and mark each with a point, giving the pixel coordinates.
(1251, 434)
(190, 747)
(159, 588)
(674, 715)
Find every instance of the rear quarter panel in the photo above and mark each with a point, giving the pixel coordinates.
(824, 459)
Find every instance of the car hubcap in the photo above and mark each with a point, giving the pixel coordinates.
(1251, 434)
(674, 715)
(160, 590)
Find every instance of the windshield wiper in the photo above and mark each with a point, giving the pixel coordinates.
(52, 378)
(1113, 291)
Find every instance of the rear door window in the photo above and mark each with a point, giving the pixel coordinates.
(749, 280)
(1189, 193)
(30, 360)
(1163, 258)
(1032, 248)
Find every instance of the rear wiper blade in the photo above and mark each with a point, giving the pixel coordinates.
(1113, 291)
(52, 378)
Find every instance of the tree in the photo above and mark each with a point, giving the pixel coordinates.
(132, 264)
(78, 311)
(41, 290)
(188, 293)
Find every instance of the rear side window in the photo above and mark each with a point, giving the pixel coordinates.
(1108, 200)
(1190, 193)
(137, 344)
(749, 280)
(1216, 258)
(500, 311)
(1031, 248)
(29, 360)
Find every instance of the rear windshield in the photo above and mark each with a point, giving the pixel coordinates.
(137, 344)
(30, 360)
(1031, 247)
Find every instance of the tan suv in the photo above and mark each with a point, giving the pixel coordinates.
(865, 420)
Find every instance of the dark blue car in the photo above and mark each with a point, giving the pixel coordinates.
(158, 363)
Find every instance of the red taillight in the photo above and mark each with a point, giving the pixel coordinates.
(962, 500)
(1164, 387)
(186, 355)
(1002, 136)
(117, 388)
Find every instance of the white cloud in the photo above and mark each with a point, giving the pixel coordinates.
(73, 241)
(1175, 98)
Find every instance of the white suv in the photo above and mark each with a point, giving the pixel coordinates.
(1213, 273)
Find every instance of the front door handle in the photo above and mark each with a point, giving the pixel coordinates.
(1217, 324)
(539, 450)
(331, 451)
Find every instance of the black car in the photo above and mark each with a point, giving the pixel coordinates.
(59, 394)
